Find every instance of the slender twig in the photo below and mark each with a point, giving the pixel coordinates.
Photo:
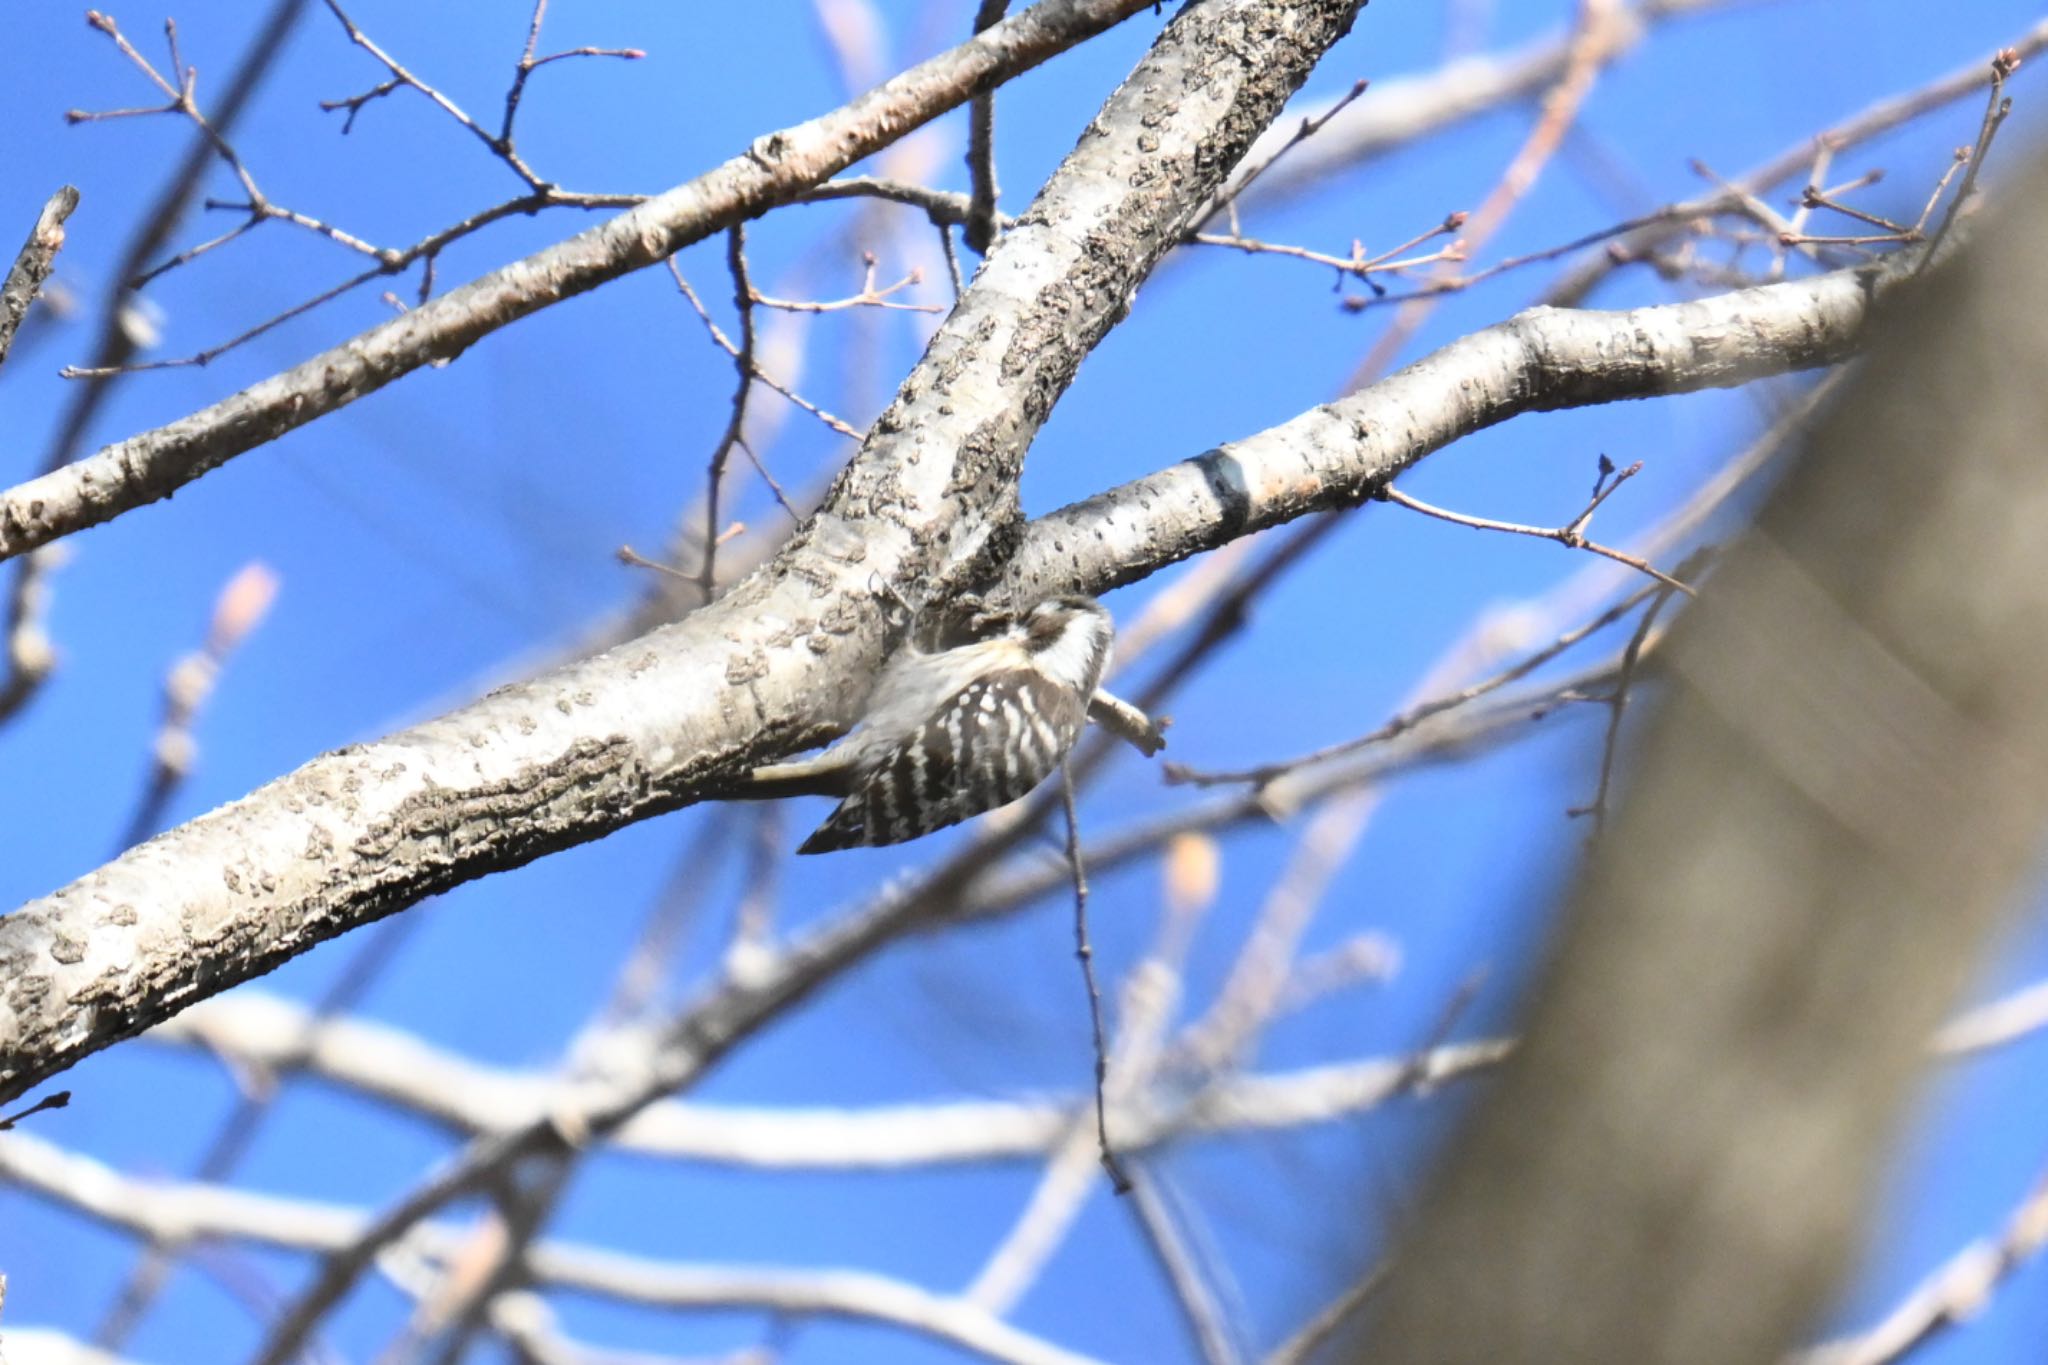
(1617, 704)
(180, 94)
(1600, 34)
(1085, 953)
(735, 425)
(1309, 1338)
(1996, 107)
(870, 296)
(241, 607)
(1198, 1303)
(1569, 535)
(528, 64)
(390, 260)
(29, 655)
(193, 253)
(1309, 127)
(1823, 162)
(400, 77)
(259, 209)
(1955, 167)
(628, 555)
(725, 343)
(781, 497)
(952, 256)
(980, 227)
(1813, 197)
(1952, 1295)
(1873, 121)
(206, 357)
(1417, 714)
(1357, 265)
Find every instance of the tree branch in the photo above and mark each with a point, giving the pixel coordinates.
(773, 170)
(1343, 453)
(780, 663)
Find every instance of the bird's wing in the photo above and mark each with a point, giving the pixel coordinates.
(991, 742)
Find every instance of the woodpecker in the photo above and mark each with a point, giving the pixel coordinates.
(951, 733)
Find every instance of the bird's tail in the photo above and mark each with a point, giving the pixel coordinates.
(845, 827)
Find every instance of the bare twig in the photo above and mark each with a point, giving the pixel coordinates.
(1301, 1347)
(178, 90)
(29, 656)
(1600, 33)
(870, 296)
(501, 147)
(1871, 122)
(1409, 718)
(1995, 110)
(1949, 1297)
(980, 226)
(1617, 703)
(806, 154)
(180, 87)
(952, 255)
(242, 605)
(1571, 534)
(528, 64)
(212, 353)
(1085, 954)
(727, 345)
(735, 425)
(1358, 264)
(1226, 202)
(1198, 1303)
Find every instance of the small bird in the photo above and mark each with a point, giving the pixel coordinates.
(951, 733)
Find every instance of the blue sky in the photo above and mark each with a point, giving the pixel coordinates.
(431, 537)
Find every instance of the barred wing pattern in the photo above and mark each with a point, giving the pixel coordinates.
(993, 741)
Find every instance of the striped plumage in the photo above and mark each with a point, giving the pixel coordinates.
(953, 733)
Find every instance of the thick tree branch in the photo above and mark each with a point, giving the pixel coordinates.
(776, 168)
(654, 724)
(1342, 453)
